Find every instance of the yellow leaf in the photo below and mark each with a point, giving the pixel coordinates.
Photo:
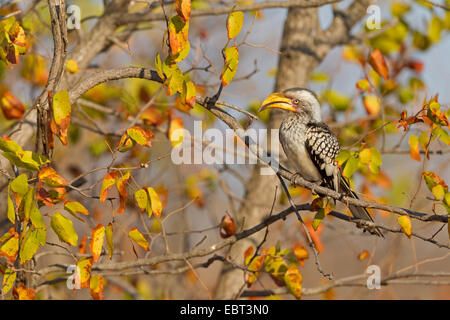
(84, 267)
(139, 238)
(230, 65)
(108, 181)
(234, 23)
(9, 278)
(10, 247)
(140, 135)
(75, 207)
(141, 198)
(109, 239)
(372, 104)
(63, 227)
(61, 114)
(72, 66)
(176, 132)
(154, 202)
(293, 280)
(405, 222)
(96, 244)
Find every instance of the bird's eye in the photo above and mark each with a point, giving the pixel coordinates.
(296, 101)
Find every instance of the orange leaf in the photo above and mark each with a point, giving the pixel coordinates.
(11, 106)
(363, 255)
(248, 254)
(82, 247)
(22, 293)
(301, 253)
(140, 136)
(414, 147)
(376, 60)
(122, 191)
(96, 287)
(108, 181)
(228, 227)
(96, 244)
(51, 178)
(178, 34)
(183, 8)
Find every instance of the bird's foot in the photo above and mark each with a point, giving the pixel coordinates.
(294, 177)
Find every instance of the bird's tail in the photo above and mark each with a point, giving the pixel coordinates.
(357, 212)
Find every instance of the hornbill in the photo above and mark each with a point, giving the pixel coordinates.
(310, 145)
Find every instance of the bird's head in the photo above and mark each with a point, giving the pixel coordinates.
(298, 100)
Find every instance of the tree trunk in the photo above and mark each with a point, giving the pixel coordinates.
(294, 67)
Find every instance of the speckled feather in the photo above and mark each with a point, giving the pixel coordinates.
(311, 147)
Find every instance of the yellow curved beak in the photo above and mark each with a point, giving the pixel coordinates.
(277, 100)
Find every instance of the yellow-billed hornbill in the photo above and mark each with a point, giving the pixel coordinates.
(310, 145)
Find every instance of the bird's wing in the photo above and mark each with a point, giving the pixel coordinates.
(323, 147)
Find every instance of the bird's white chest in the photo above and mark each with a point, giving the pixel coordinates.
(293, 142)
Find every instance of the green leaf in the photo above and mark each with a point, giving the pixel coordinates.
(29, 246)
(26, 159)
(27, 204)
(318, 218)
(20, 184)
(63, 227)
(158, 66)
(8, 145)
(11, 213)
(376, 161)
(36, 218)
(336, 100)
(342, 157)
(350, 167)
(234, 23)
